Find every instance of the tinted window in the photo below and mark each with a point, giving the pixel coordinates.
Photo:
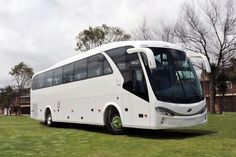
(106, 67)
(174, 79)
(80, 70)
(48, 78)
(35, 82)
(95, 66)
(131, 70)
(68, 73)
(57, 76)
(41, 80)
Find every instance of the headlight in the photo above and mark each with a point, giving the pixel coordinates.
(164, 111)
(203, 109)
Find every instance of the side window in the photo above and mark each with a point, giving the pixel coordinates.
(131, 70)
(57, 76)
(68, 73)
(106, 67)
(48, 78)
(139, 87)
(41, 80)
(80, 70)
(95, 65)
(35, 82)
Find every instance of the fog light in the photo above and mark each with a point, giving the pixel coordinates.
(162, 120)
(203, 109)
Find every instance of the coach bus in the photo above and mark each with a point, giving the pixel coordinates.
(130, 84)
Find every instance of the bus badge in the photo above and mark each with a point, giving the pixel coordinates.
(189, 110)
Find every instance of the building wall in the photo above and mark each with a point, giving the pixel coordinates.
(229, 99)
(1, 111)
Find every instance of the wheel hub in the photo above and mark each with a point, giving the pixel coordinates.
(116, 122)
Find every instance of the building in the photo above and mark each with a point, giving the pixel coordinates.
(23, 100)
(228, 100)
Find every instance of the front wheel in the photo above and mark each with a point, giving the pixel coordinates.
(114, 124)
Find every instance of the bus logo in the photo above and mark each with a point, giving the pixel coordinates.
(189, 110)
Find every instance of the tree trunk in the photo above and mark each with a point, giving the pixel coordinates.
(212, 94)
(18, 112)
(221, 103)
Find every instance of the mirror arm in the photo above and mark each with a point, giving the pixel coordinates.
(205, 60)
(148, 52)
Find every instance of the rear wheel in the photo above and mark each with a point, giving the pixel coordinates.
(48, 120)
(113, 122)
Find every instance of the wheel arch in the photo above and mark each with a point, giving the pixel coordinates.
(113, 105)
(47, 109)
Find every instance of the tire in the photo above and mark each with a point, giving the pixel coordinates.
(48, 120)
(113, 123)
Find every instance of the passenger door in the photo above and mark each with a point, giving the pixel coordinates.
(139, 99)
(135, 101)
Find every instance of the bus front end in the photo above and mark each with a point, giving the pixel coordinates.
(178, 99)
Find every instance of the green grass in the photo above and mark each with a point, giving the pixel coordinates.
(22, 136)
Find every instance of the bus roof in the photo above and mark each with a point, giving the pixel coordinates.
(105, 47)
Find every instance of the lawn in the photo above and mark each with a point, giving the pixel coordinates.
(22, 136)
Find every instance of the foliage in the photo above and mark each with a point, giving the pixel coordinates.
(221, 82)
(22, 136)
(7, 94)
(231, 71)
(22, 74)
(222, 87)
(96, 36)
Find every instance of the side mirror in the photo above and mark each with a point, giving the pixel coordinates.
(204, 58)
(149, 54)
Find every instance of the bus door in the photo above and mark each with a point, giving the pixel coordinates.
(139, 98)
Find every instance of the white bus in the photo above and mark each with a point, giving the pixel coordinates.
(130, 84)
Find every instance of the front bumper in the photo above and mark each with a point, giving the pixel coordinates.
(165, 122)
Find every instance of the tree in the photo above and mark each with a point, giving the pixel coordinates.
(222, 87)
(96, 36)
(22, 74)
(167, 32)
(209, 29)
(6, 98)
(143, 31)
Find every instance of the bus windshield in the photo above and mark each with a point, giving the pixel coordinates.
(174, 79)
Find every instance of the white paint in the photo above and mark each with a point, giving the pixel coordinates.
(76, 99)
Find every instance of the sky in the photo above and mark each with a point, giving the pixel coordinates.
(42, 32)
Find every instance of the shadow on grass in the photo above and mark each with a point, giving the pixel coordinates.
(142, 133)
(169, 134)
